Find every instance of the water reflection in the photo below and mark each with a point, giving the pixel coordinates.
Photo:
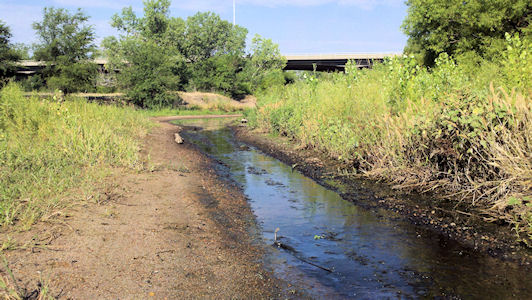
(373, 255)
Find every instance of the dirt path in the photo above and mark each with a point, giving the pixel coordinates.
(175, 231)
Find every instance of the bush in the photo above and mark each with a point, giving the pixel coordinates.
(33, 83)
(67, 45)
(74, 77)
(148, 76)
(219, 73)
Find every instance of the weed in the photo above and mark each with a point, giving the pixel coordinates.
(8, 244)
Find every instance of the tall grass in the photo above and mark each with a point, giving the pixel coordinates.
(461, 129)
(53, 151)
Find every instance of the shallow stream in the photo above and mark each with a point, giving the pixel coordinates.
(336, 249)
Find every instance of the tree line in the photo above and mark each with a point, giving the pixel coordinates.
(157, 53)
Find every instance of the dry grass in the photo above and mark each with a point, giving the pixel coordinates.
(211, 101)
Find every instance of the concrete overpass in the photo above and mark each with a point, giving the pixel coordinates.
(322, 62)
(26, 68)
(333, 62)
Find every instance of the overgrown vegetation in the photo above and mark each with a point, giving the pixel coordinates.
(461, 129)
(54, 151)
(157, 53)
(153, 56)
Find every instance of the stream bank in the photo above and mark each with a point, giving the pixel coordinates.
(172, 230)
(333, 248)
(428, 211)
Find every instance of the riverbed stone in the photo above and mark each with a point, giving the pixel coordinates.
(178, 138)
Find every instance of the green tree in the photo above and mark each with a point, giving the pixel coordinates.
(157, 53)
(266, 64)
(7, 55)
(150, 63)
(67, 44)
(219, 73)
(149, 73)
(153, 25)
(460, 27)
(215, 50)
(22, 50)
(207, 35)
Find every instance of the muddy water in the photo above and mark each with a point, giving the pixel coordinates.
(332, 248)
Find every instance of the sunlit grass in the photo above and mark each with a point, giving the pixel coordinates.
(53, 153)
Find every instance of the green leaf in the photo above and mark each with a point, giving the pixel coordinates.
(478, 110)
(514, 201)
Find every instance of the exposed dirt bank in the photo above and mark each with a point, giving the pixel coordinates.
(172, 118)
(174, 231)
(427, 211)
(205, 100)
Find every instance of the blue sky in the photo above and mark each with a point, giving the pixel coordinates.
(298, 26)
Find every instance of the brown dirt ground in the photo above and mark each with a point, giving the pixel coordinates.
(175, 231)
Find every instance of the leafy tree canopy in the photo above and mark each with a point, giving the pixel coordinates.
(207, 35)
(7, 55)
(149, 74)
(459, 27)
(22, 50)
(153, 25)
(64, 36)
(147, 54)
(67, 44)
(202, 52)
(265, 65)
(214, 50)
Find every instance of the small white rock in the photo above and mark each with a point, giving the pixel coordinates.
(178, 139)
